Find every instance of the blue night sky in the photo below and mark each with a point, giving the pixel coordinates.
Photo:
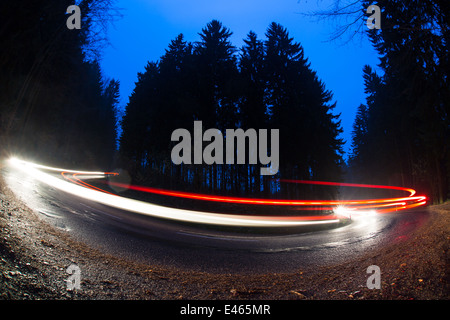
(148, 26)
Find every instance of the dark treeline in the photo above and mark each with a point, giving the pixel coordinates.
(401, 135)
(265, 84)
(56, 106)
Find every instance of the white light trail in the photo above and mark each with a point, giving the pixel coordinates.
(153, 210)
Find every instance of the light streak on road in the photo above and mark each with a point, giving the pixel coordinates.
(195, 196)
(73, 183)
(149, 209)
(357, 185)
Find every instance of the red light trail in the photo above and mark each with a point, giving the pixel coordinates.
(329, 211)
(382, 205)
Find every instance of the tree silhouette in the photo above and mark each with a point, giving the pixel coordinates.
(269, 84)
(298, 105)
(252, 107)
(408, 106)
(54, 103)
(217, 90)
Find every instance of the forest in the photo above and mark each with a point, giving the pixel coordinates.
(401, 135)
(267, 84)
(57, 106)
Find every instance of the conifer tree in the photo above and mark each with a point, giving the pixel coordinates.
(298, 104)
(53, 103)
(408, 104)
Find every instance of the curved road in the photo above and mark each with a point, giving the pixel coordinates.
(206, 248)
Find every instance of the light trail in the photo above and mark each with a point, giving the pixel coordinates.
(157, 211)
(80, 182)
(73, 184)
(357, 185)
(256, 201)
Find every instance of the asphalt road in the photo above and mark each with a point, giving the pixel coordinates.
(203, 248)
